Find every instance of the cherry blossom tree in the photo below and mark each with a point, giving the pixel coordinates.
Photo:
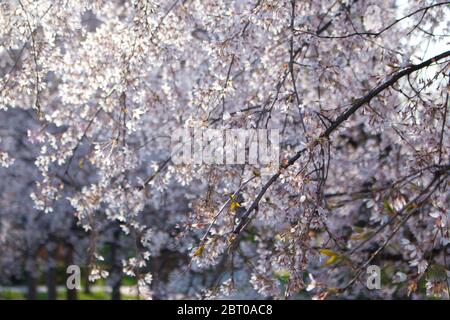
(91, 92)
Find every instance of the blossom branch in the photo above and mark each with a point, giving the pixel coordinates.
(335, 124)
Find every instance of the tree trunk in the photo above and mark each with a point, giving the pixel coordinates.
(51, 273)
(116, 272)
(31, 286)
(51, 283)
(116, 290)
(87, 283)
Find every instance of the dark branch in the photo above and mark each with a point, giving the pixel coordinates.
(343, 117)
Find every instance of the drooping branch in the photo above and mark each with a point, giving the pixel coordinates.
(405, 213)
(378, 33)
(355, 106)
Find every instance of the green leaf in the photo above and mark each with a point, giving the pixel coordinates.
(436, 273)
(283, 276)
(389, 209)
(332, 256)
(199, 250)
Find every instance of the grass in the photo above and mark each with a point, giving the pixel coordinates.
(61, 295)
